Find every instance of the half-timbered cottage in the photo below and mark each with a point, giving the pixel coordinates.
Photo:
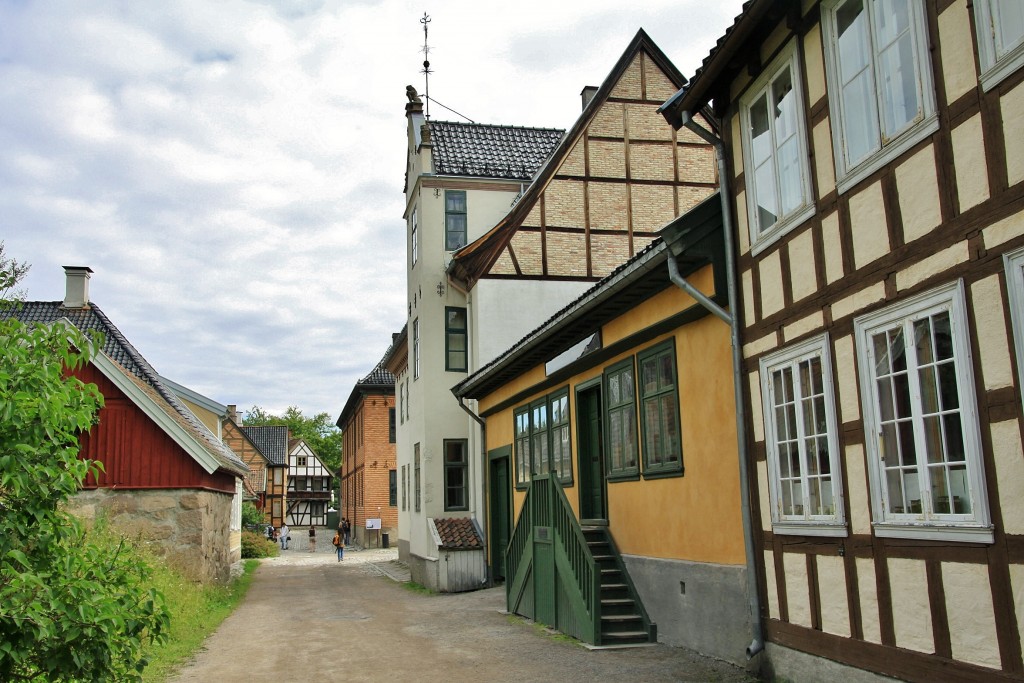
(369, 469)
(166, 476)
(506, 225)
(256, 481)
(873, 153)
(309, 486)
(614, 497)
(272, 442)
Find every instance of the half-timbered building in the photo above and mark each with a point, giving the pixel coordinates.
(166, 477)
(873, 157)
(272, 442)
(259, 476)
(309, 486)
(506, 225)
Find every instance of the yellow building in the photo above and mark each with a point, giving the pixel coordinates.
(873, 162)
(613, 490)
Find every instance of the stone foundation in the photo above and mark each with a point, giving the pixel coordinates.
(190, 528)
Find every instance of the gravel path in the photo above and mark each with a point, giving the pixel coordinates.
(309, 618)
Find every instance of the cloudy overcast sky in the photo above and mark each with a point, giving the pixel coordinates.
(233, 171)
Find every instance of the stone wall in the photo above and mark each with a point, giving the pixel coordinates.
(190, 528)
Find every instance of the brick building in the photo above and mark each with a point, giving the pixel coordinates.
(369, 475)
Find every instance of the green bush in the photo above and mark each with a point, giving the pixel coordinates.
(256, 545)
(251, 516)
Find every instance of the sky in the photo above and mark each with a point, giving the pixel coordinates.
(233, 171)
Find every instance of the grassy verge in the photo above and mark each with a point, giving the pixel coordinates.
(414, 587)
(196, 612)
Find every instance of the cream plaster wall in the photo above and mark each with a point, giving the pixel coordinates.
(833, 247)
(911, 613)
(858, 301)
(809, 323)
(918, 188)
(1004, 230)
(742, 227)
(972, 623)
(824, 163)
(987, 301)
(957, 52)
(868, 225)
(1011, 106)
(764, 499)
(814, 68)
(770, 270)
(1009, 459)
(857, 490)
(756, 409)
(835, 608)
(970, 163)
(737, 149)
(869, 621)
(797, 594)
(938, 262)
(846, 379)
(759, 346)
(802, 276)
(748, 296)
(772, 585)
(1017, 588)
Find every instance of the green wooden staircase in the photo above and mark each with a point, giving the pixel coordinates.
(570, 577)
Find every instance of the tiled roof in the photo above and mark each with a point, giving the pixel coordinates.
(120, 350)
(380, 375)
(272, 440)
(458, 533)
(379, 381)
(488, 151)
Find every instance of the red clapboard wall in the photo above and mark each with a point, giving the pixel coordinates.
(135, 452)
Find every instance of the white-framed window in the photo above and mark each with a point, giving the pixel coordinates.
(881, 95)
(414, 238)
(1015, 285)
(775, 151)
(801, 439)
(1000, 25)
(921, 429)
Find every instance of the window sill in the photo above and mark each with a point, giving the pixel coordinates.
(625, 476)
(998, 72)
(887, 154)
(935, 532)
(662, 474)
(781, 229)
(833, 529)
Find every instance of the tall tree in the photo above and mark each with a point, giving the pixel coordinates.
(70, 610)
(318, 431)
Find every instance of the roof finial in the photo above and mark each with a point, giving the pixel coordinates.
(426, 64)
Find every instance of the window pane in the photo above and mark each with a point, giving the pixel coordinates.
(897, 80)
(649, 374)
(859, 122)
(1008, 19)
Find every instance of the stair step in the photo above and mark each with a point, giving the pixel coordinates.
(624, 637)
(620, 618)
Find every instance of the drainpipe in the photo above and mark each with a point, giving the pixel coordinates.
(485, 471)
(731, 318)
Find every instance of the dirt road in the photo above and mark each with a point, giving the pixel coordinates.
(309, 618)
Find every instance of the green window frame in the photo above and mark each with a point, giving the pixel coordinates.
(543, 438)
(620, 422)
(456, 474)
(454, 219)
(456, 338)
(659, 411)
(393, 488)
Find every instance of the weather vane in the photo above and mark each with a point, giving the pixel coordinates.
(426, 63)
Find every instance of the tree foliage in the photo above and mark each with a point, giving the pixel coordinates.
(319, 432)
(70, 609)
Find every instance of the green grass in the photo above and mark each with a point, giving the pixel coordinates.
(417, 588)
(196, 612)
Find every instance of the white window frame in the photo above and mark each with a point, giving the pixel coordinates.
(1014, 262)
(791, 357)
(414, 243)
(849, 173)
(995, 67)
(785, 223)
(974, 527)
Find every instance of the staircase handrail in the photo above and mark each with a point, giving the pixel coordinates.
(581, 559)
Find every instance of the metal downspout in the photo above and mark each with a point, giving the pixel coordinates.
(757, 644)
(485, 471)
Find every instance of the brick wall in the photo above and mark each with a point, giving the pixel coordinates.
(368, 457)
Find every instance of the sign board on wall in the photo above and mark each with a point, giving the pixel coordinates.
(373, 523)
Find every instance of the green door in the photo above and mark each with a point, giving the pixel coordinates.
(589, 453)
(500, 511)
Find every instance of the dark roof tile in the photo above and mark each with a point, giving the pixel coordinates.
(458, 533)
(489, 151)
(272, 440)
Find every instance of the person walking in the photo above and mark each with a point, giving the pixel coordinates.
(339, 543)
(347, 528)
(312, 538)
(283, 535)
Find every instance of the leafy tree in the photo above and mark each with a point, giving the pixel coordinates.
(251, 515)
(319, 432)
(70, 610)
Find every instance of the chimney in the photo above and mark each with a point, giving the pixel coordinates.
(587, 94)
(77, 290)
(233, 412)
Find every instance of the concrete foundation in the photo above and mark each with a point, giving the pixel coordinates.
(696, 605)
(785, 664)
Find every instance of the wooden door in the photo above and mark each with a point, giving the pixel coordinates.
(500, 514)
(590, 454)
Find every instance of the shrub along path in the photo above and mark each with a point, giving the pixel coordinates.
(310, 618)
